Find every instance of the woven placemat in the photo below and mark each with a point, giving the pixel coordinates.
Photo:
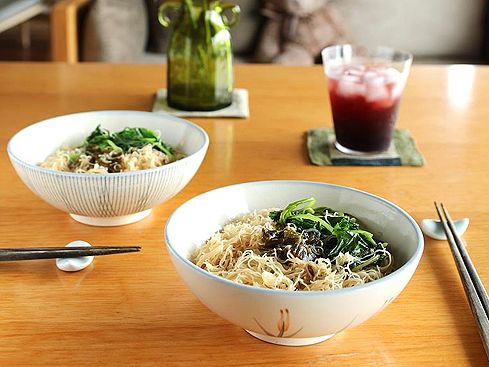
(239, 108)
(402, 152)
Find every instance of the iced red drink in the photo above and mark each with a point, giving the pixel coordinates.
(364, 102)
(365, 88)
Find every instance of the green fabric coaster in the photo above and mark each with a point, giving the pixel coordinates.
(322, 152)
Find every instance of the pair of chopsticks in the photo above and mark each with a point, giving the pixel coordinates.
(474, 289)
(14, 254)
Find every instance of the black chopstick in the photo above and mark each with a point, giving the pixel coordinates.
(15, 254)
(474, 289)
(481, 290)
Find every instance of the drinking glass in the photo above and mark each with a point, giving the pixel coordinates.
(365, 88)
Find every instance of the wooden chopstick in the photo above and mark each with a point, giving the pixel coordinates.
(474, 289)
(15, 254)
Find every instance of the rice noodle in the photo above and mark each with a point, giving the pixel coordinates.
(235, 253)
(135, 159)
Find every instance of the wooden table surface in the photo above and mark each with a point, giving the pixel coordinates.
(134, 310)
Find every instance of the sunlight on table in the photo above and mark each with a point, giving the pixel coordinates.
(224, 137)
(460, 85)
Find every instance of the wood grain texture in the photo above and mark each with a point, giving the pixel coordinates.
(134, 310)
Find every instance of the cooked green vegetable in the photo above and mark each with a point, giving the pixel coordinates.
(73, 157)
(310, 233)
(130, 137)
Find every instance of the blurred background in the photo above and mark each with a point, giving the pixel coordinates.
(127, 31)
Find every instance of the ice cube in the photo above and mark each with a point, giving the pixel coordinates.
(391, 75)
(374, 81)
(334, 71)
(372, 75)
(376, 91)
(356, 79)
(349, 88)
(397, 88)
(354, 71)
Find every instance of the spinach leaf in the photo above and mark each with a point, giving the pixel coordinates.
(338, 232)
(130, 137)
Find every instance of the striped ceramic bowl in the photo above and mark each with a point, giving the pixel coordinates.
(106, 199)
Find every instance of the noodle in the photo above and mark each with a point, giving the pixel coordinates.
(131, 149)
(236, 253)
(134, 160)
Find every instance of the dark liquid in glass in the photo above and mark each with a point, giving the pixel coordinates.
(364, 104)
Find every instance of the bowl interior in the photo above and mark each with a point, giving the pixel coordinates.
(45, 137)
(196, 220)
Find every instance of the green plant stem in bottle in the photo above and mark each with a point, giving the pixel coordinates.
(200, 60)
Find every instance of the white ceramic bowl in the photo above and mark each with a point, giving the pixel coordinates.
(313, 316)
(113, 198)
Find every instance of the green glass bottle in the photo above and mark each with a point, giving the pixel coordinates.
(200, 59)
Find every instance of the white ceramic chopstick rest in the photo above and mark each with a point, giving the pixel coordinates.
(434, 229)
(75, 263)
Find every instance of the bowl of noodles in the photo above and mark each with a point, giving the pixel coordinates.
(293, 262)
(108, 168)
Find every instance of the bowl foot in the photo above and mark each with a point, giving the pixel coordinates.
(295, 342)
(111, 221)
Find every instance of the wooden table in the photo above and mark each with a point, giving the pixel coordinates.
(134, 310)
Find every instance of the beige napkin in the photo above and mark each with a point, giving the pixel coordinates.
(239, 108)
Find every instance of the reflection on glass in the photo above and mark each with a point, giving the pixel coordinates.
(460, 84)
